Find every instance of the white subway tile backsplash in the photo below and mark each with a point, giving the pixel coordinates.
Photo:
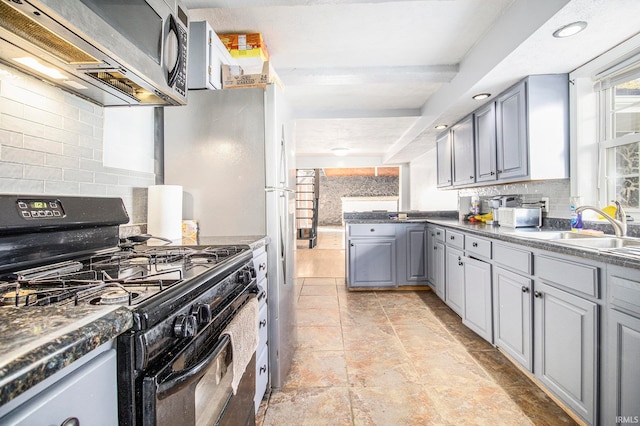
(78, 127)
(70, 175)
(11, 138)
(62, 161)
(62, 188)
(77, 151)
(43, 145)
(21, 155)
(86, 164)
(51, 143)
(42, 173)
(93, 188)
(106, 178)
(60, 135)
(20, 125)
(21, 186)
(11, 170)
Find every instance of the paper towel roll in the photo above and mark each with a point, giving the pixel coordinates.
(164, 211)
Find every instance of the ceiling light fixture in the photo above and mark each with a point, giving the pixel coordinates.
(441, 127)
(481, 96)
(340, 152)
(570, 29)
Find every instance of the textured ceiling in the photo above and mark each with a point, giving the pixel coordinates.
(376, 76)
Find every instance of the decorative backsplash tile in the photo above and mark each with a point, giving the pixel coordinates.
(51, 143)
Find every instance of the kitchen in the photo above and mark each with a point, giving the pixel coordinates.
(52, 142)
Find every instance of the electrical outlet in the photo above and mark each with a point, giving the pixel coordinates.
(545, 207)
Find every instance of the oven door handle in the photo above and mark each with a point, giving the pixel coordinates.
(179, 379)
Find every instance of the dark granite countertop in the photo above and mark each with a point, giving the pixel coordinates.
(511, 235)
(39, 341)
(253, 241)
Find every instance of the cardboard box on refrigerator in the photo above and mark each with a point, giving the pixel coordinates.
(233, 76)
(244, 46)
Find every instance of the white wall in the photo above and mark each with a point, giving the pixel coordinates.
(425, 195)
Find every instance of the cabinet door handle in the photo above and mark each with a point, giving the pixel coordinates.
(71, 421)
(537, 294)
(263, 369)
(493, 173)
(435, 247)
(474, 244)
(525, 289)
(372, 230)
(499, 171)
(437, 233)
(470, 177)
(351, 244)
(452, 237)
(262, 323)
(460, 263)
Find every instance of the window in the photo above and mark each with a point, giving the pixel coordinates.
(620, 134)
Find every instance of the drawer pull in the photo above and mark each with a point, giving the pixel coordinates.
(372, 230)
(537, 294)
(438, 233)
(525, 289)
(452, 237)
(474, 244)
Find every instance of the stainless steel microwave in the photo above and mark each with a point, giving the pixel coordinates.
(111, 52)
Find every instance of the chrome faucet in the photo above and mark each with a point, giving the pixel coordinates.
(619, 223)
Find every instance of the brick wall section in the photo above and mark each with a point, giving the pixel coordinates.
(51, 143)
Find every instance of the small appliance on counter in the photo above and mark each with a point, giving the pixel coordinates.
(520, 217)
(501, 201)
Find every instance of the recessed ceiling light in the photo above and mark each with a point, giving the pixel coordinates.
(481, 96)
(570, 29)
(340, 152)
(441, 127)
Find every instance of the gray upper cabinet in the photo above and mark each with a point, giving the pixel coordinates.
(532, 125)
(463, 161)
(511, 125)
(443, 148)
(485, 143)
(523, 135)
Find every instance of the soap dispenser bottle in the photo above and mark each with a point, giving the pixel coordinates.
(576, 217)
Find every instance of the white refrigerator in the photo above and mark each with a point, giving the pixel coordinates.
(234, 155)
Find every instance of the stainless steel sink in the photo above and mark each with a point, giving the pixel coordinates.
(576, 239)
(551, 235)
(603, 242)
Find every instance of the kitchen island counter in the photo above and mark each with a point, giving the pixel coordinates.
(39, 341)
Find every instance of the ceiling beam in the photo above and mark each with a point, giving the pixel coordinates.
(324, 114)
(367, 75)
(236, 4)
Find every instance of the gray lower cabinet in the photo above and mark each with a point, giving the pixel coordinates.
(621, 384)
(454, 279)
(436, 260)
(372, 262)
(565, 342)
(412, 254)
(477, 312)
(512, 310)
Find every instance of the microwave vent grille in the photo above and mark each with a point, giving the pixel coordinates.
(23, 26)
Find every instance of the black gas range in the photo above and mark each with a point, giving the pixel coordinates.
(67, 251)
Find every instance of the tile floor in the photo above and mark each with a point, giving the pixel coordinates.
(392, 358)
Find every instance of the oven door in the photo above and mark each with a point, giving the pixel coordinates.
(196, 389)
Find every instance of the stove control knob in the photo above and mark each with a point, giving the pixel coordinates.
(243, 277)
(202, 312)
(185, 326)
